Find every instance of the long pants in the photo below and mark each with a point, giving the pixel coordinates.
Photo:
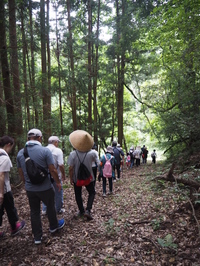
(94, 169)
(117, 167)
(35, 198)
(110, 184)
(137, 162)
(78, 195)
(9, 206)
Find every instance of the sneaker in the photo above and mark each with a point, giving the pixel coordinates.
(88, 215)
(1, 234)
(114, 180)
(61, 211)
(61, 223)
(44, 212)
(104, 194)
(19, 226)
(79, 215)
(110, 192)
(38, 242)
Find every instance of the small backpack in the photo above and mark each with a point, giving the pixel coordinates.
(84, 176)
(36, 173)
(107, 169)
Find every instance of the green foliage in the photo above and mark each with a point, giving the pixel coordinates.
(155, 223)
(167, 241)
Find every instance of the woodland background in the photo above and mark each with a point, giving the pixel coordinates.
(125, 70)
(120, 69)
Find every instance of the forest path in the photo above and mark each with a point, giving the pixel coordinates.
(142, 223)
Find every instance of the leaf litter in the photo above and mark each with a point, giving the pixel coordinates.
(144, 222)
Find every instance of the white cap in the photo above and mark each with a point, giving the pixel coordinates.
(53, 138)
(118, 145)
(34, 132)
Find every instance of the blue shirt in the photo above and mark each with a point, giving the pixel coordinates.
(43, 157)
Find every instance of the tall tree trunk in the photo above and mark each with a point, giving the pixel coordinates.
(95, 76)
(118, 64)
(89, 66)
(2, 108)
(49, 72)
(32, 72)
(6, 74)
(15, 72)
(121, 81)
(25, 71)
(71, 56)
(45, 92)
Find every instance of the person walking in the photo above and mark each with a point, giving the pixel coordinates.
(144, 155)
(107, 162)
(95, 164)
(153, 156)
(119, 156)
(131, 152)
(44, 191)
(137, 154)
(82, 142)
(6, 197)
(57, 153)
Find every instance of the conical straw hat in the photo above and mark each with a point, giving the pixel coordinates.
(81, 140)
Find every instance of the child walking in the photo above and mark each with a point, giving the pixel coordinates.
(128, 160)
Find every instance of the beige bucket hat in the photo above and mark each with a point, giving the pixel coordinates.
(81, 140)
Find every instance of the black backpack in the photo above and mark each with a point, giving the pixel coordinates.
(84, 176)
(36, 173)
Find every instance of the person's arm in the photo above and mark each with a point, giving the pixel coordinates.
(62, 170)
(54, 174)
(2, 180)
(71, 171)
(21, 174)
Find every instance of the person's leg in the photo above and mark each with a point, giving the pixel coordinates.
(118, 171)
(10, 209)
(58, 197)
(94, 169)
(114, 177)
(104, 185)
(78, 197)
(34, 202)
(110, 184)
(44, 208)
(91, 190)
(48, 197)
(1, 214)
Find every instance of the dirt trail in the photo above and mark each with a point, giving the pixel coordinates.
(142, 223)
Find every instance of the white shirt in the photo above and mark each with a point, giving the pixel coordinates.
(58, 158)
(5, 165)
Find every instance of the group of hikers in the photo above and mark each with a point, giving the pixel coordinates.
(42, 172)
(134, 156)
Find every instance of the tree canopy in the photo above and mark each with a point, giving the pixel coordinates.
(59, 73)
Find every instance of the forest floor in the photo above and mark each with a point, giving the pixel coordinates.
(145, 222)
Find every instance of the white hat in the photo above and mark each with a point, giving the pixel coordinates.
(109, 149)
(118, 145)
(81, 140)
(53, 138)
(34, 132)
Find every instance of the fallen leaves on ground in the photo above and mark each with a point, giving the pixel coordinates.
(142, 223)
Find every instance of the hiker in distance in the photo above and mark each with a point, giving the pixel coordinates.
(80, 169)
(39, 192)
(57, 153)
(6, 197)
(119, 156)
